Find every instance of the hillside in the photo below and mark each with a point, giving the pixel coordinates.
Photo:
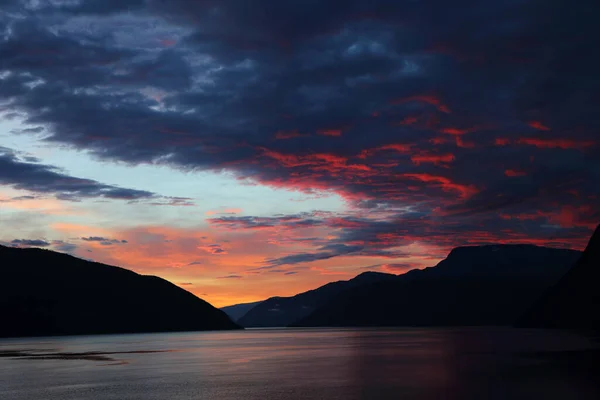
(574, 303)
(283, 311)
(45, 293)
(478, 285)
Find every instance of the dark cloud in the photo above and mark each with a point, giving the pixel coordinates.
(64, 247)
(390, 235)
(230, 277)
(324, 253)
(30, 242)
(19, 198)
(94, 239)
(215, 249)
(41, 178)
(57, 245)
(103, 241)
(477, 115)
(300, 220)
(102, 7)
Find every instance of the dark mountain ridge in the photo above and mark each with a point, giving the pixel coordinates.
(45, 293)
(475, 285)
(574, 302)
(283, 311)
(237, 311)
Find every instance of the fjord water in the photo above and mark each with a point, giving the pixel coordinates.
(271, 364)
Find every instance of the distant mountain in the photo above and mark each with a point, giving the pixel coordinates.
(574, 303)
(237, 311)
(45, 293)
(282, 311)
(478, 285)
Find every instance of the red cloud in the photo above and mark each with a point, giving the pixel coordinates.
(337, 222)
(457, 131)
(287, 135)
(330, 132)
(436, 159)
(502, 141)
(573, 216)
(319, 162)
(407, 121)
(538, 125)
(438, 140)
(514, 173)
(556, 143)
(432, 100)
(566, 217)
(461, 143)
(445, 183)
(399, 147)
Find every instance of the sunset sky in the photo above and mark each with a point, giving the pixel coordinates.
(244, 149)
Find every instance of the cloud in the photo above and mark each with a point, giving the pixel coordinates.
(301, 220)
(389, 234)
(46, 179)
(214, 249)
(544, 143)
(410, 104)
(538, 125)
(230, 277)
(437, 159)
(30, 242)
(19, 198)
(57, 245)
(64, 247)
(103, 241)
(326, 252)
(174, 201)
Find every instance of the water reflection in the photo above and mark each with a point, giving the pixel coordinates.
(303, 364)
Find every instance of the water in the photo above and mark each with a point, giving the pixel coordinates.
(303, 364)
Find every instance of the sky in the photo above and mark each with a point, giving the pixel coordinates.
(245, 149)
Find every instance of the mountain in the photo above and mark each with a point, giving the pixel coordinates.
(283, 311)
(45, 293)
(574, 303)
(476, 285)
(237, 311)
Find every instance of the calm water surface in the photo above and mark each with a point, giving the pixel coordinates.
(303, 364)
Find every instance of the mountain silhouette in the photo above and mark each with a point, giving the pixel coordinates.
(574, 303)
(237, 311)
(282, 311)
(477, 285)
(44, 293)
